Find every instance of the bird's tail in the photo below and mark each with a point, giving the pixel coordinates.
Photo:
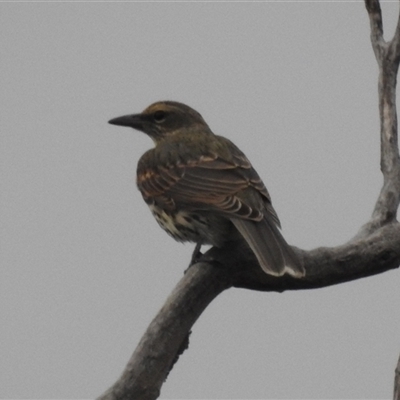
(273, 253)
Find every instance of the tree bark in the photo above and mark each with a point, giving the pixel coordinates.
(396, 393)
(373, 250)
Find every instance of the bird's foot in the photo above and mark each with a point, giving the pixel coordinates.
(196, 256)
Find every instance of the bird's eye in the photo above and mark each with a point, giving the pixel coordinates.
(159, 116)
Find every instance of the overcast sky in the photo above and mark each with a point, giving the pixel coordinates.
(85, 267)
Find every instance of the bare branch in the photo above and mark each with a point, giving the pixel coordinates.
(396, 41)
(396, 392)
(325, 266)
(375, 18)
(152, 360)
(167, 335)
(375, 249)
(388, 58)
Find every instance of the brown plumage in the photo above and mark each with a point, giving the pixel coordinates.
(201, 188)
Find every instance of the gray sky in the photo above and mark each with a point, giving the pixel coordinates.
(85, 267)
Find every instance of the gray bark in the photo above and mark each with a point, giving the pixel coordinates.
(373, 250)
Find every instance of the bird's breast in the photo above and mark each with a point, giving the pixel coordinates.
(188, 226)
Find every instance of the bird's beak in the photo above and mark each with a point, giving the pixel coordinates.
(134, 121)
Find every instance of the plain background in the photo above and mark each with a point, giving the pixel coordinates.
(85, 267)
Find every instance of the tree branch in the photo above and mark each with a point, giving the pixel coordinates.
(388, 57)
(396, 392)
(167, 335)
(375, 249)
(375, 19)
(162, 342)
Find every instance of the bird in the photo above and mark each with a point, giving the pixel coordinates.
(201, 188)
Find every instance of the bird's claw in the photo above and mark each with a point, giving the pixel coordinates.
(196, 256)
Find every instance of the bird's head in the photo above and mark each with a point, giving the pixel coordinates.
(163, 119)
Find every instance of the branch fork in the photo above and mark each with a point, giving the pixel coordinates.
(375, 249)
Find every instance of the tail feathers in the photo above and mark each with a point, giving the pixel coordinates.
(273, 253)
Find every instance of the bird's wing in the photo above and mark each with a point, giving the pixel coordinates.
(232, 188)
(210, 183)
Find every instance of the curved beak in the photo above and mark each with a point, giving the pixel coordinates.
(133, 121)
